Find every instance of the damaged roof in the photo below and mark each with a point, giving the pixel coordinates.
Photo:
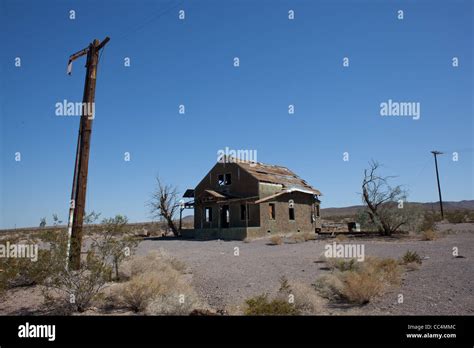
(276, 175)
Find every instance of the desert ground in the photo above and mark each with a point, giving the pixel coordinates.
(442, 285)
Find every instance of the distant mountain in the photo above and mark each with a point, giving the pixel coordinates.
(448, 206)
(188, 220)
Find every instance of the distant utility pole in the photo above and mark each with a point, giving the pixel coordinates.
(79, 185)
(436, 153)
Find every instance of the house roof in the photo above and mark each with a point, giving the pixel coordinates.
(279, 175)
(215, 194)
(269, 198)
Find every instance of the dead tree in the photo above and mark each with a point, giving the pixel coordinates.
(384, 203)
(164, 204)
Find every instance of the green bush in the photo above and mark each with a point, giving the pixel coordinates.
(261, 305)
(17, 272)
(457, 216)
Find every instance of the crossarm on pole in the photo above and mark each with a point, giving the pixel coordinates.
(73, 57)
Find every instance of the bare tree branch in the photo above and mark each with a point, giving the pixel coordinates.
(382, 201)
(164, 204)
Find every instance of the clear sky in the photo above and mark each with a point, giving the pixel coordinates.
(191, 62)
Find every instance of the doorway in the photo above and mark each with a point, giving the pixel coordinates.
(225, 216)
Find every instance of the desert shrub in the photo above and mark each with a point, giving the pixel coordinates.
(429, 235)
(330, 286)
(261, 305)
(276, 240)
(341, 265)
(298, 238)
(428, 222)
(74, 291)
(114, 243)
(359, 284)
(66, 291)
(470, 216)
(309, 236)
(182, 301)
(17, 272)
(154, 261)
(387, 269)
(361, 287)
(337, 263)
(409, 257)
(456, 216)
(363, 218)
(157, 286)
(302, 296)
(138, 292)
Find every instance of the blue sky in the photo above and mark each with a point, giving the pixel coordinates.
(190, 62)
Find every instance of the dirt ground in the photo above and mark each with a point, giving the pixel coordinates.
(225, 273)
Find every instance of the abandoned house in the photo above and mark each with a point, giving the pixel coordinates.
(239, 199)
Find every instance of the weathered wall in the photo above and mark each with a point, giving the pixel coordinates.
(242, 185)
(282, 224)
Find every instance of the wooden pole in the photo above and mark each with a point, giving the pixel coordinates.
(436, 153)
(82, 154)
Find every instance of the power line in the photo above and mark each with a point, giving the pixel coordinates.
(151, 19)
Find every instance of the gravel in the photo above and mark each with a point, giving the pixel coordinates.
(225, 276)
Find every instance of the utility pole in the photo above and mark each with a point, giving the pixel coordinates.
(436, 153)
(79, 186)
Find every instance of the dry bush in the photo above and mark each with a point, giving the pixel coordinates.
(387, 269)
(157, 286)
(330, 286)
(360, 284)
(309, 236)
(298, 238)
(138, 292)
(429, 235)
(66, 291)
(158, 261)
(409, 257)
(302, 296)
(428, 222)
(181, 300)
(276, 240)
(361, 287)
(341, 264)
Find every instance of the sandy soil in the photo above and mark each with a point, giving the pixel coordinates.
(443, 284)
